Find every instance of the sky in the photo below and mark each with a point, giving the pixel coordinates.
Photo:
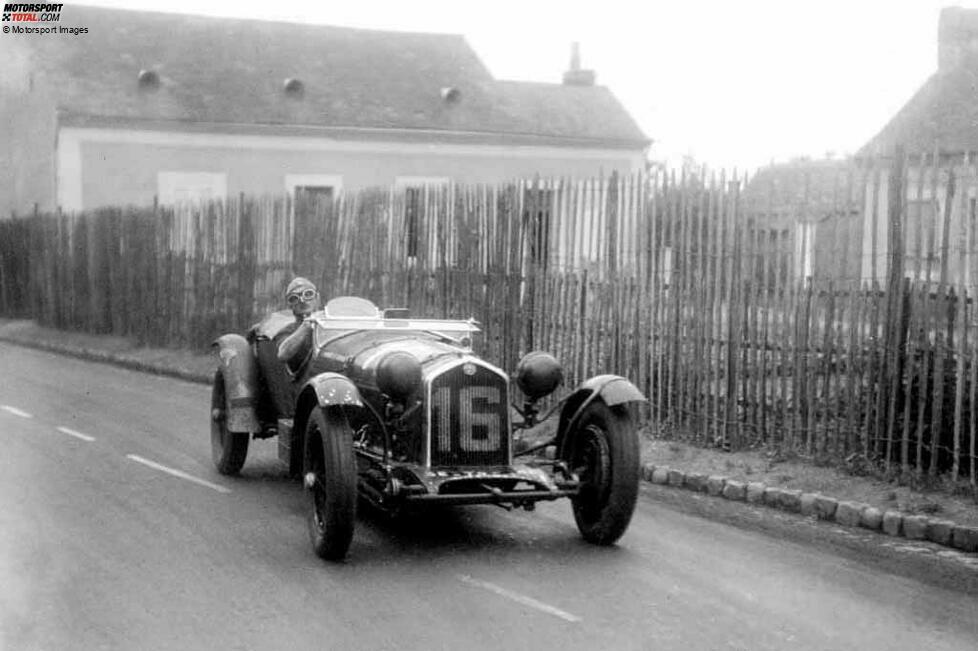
(727, 83)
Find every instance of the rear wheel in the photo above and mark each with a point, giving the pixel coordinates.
(228, 449)
(329, 474)
(604, 452)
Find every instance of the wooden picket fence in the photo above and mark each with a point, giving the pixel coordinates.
(852, 336)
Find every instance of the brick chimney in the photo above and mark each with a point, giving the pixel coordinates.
(957, 37)
(575, 76)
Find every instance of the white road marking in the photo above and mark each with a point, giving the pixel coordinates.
(15, 411)
(178, 473)
(77, 435)
(519, 598)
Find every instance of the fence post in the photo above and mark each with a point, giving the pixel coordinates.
(895, 342)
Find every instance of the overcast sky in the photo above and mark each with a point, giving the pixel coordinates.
(728, 82)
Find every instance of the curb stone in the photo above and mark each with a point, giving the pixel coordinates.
(844, 513)
(676, 478)
(735, 490)
(915, 527)
(940, 532)
(848, 514)
(871, 518)
(714, 484)
(696, 482)
(806, 504)
(773, 496)
(755, 492)
(965, 538)
(893, 523)
(647, 471)
(825, 507)
(791, 500)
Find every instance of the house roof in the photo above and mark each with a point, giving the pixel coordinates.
(941, 115)
(803, 190)
(232, 71)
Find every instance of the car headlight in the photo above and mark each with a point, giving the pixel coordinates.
(398, 375)
(538, 374)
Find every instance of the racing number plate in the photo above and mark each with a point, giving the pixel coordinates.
(469, 418)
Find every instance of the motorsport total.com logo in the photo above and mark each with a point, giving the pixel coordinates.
(31, 13)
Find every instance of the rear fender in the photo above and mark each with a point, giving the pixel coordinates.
(326, 390)
(613, 390)
(237, 365)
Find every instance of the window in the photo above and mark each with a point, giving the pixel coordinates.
(313, 191)
(313, 186)
(413, 210)
(921, 240)
(306, 200)
(417, 191)
(190, 187)
(538, 206)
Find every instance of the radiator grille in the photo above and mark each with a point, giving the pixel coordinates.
(469, 418)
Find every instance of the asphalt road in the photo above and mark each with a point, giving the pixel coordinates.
(102, 546)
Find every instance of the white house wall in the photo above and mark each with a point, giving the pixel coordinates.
(804, 249)
(875, 233)
(923, 184)
(98, 166)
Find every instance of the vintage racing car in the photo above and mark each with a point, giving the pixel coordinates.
(402, 412)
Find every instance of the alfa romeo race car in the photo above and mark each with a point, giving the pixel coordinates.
(401, 412)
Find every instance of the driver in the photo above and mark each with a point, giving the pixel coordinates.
(303, 299)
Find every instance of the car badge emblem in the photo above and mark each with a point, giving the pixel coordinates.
(469, 368)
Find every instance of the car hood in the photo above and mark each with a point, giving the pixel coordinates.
(357, 353)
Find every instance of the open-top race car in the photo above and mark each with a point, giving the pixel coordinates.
(402, 412)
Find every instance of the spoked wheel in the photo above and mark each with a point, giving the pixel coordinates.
(605, 455)
(329, 474)
(228, 449)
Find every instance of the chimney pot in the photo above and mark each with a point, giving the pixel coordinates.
(575, 75)
(957, 37)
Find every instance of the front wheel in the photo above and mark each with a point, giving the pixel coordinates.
(228, 449)
(604, 452)
(329, 474)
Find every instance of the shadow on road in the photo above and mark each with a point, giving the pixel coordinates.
(423, 533)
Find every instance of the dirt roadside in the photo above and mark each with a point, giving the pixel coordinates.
(755, 467)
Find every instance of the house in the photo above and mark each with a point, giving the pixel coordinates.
(937, 130)
(161, 107)
(806, 214)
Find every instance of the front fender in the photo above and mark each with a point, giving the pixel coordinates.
(333, 389)
(237, 365)
(612, 389)
(320, 391)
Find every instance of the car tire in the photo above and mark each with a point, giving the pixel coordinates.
(329, 471)
(228, 449)
(604, 452)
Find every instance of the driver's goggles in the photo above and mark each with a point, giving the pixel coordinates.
(304, 295)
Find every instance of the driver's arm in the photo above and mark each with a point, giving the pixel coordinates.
(296, 346)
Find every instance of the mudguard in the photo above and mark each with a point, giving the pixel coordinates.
(323, 390)
(240, 382)
(612, 389)
(333, 389)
